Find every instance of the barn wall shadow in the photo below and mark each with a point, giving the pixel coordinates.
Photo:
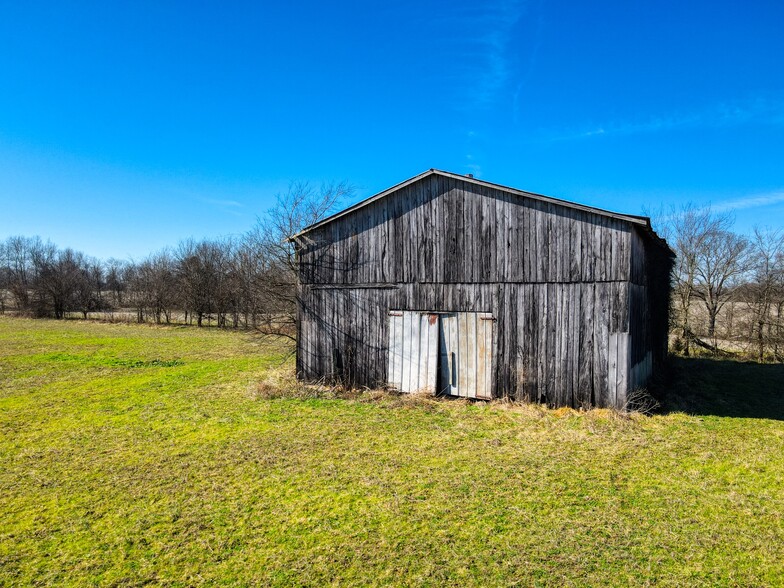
(723, 388)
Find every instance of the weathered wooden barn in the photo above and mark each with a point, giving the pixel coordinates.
(455, 285)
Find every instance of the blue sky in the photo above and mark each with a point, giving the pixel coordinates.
(127, 127)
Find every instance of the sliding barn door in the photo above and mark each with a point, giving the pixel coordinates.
(451, 353)
(413, 351)
(466, 354)
(448, 356)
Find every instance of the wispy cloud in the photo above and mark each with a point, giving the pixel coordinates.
(229, 206)
(521, 88)
(756, 111)
(751, 201)
(222, 203)
(484, 64)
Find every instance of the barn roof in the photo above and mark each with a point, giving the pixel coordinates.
(643, 221)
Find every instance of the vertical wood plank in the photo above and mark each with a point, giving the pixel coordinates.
(484, 355)
(541, 245)
(601, 345)
(454, 355)
(575, 251)
(556, 337)
(525, 344)
(575, 316)
(462, 356)
(432, 355)
(424, 352)
(612, 370)
(559, 243)
(395, 377)
(622, 370)
(406, 353)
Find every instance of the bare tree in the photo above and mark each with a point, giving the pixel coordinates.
(765, 289)
(20, 269)
(88, 284)
(710, 261)
(200, 267)
(58, 280)
(721, 260)
(689, 230)
(301, 205)
(5, 276)
(249, 264)
(153, 285)
(225, 293)
(115, 280)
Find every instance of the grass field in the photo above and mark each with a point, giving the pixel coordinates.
(135, 455)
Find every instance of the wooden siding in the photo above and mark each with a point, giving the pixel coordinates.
(441, 230)
(649, 297)
(552, 342)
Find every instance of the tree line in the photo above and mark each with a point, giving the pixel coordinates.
(242, 282)
(728, 288)
(727, 298)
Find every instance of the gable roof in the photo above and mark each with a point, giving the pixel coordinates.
(643, 221)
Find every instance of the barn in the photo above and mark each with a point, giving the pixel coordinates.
(453, 285)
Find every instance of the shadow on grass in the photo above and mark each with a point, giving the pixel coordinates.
(724, 388)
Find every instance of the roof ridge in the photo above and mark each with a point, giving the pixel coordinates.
(639, 220)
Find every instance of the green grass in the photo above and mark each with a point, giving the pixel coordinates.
(135, 455)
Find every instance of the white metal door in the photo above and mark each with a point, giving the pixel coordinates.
(413, 351)
(448, 354)
(466, 354)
